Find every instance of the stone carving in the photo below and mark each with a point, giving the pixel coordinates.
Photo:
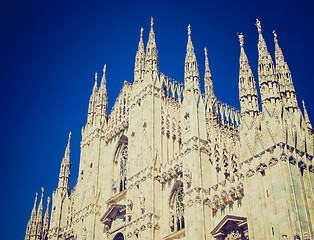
(130, 205)
(261, 168)
(234, 235)
(250, 173)
(142, 201)
(188, 177)
(114, 186)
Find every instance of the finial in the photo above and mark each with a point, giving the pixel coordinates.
(142, 32)
(69, 139)
(205, 50)
(303, 105)
(275, 36)
(189, 30)
(36, 198)
(104, 70)
(258, 25)
(96, 76)
(42, 192)
(151, 22)
(48, 201)
(241, 39)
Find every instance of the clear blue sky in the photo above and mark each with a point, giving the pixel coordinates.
(50, 51)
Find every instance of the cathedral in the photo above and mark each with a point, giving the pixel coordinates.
(173, 162)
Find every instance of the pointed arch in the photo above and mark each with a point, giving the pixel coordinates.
(176, 207)
(120, 165)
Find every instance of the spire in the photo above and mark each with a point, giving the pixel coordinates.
(208, 85)
(67, 150)
(92, 103)
(208, 81)
(268, 82)
(64, 175)
(39, 221)
(306, 116)
(95, 85)
(284, 77)
(101, 100)
(46, 220)
(40, 206)
(33, 215)
(33, 222)
(247, 86)
(139, 68)
(191, 73)
(151, 60)
(103, 79)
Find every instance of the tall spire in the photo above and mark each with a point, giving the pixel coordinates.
(39, 221)
(191, 73)
(268, 82)
(92, 103)
(208, 85)
(46, 220)
(139, 68)
(33, 215)
(284, 77)
(151, 59)
(306, 116)
(247, 86)
(208, 81)
(95, 85)
(103, 79)
(33, 219)
(67, 150)
(64, 175)
(101, 100)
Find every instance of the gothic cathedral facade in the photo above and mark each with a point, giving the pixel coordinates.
(169, 162)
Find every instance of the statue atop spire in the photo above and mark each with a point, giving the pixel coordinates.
(268, 82)
(103, 79)
(241, 39)
(139, 68)
(275, 36)
(247, 87)
(258, 25)
(191, 73)
(151, 58)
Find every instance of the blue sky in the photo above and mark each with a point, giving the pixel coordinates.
(50, 51)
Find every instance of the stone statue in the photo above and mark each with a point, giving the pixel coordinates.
(258, 25)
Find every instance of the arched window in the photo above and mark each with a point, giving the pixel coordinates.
(177, 208)
(123, 159)
(120, 166)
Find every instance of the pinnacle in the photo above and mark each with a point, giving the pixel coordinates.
(208, 82)
(259, 27)
(95, 85)
(103, 79)
(306, 116)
